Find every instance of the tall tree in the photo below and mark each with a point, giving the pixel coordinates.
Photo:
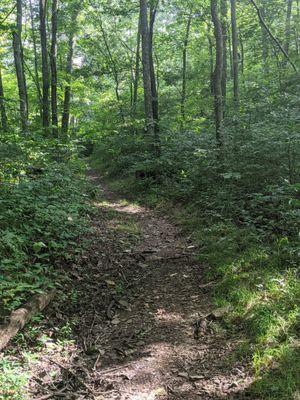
(264, 44)
(45, 69)
(36, 65)
(235, 56)
(53, 52)
(274, 39)
(146, 68)
(184, 70)
(218, 97)
(19, 65)
(136, 69)
(2, 106)
(153, 11)
(224, 11)
(69, 68)
(288, 26)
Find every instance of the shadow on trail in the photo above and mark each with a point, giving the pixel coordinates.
(129, 315)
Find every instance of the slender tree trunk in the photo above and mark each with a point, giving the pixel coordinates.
(2, 106)
(288, 26)
(230, 52)
(36, 66)
(241, 42)
(53, 53)
(211, 60)
(67, 93)
(184, 71)
(153, 11)
(275, 40)
(136, 69)
(45, 68)
(224, 10)
(218, 75)
(114, 70)
(146, 68)
(19, 65)
(264, 44)
(235, 56)
(69, 68)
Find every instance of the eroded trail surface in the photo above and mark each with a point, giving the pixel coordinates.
(130, 324)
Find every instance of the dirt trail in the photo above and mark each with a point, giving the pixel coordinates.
(132, 328)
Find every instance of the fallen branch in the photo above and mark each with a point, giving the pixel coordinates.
(74, 375)
(20, 317)
(263, 23)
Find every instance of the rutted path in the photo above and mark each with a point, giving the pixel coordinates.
(130, 326)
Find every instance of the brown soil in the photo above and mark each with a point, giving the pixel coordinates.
(130, 322)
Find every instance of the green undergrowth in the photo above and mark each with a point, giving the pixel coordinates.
(251, 255)
(41, 219)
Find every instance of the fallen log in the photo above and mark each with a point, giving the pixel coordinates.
(19, 318)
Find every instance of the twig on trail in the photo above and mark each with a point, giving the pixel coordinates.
(108, 371)
(75, 376)
(109, 309)
(60, 393)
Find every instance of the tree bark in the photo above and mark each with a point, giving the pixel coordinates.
(224, 35)
(184, 71)
(19, 65)
(114, 70)
(153, 11)
(36, 66)
(67, 93)
(211, 60)
(53, 53)
(218, 98)
(2, 106)
(20, 317)
(45, 69)
(69, 68)
(288, 26)
(264, 43)
(146, 68)
(275, 40)
(235, 57)
(136, 69)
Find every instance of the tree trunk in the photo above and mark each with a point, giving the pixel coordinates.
(137, 69)
(218, 76)
(224, 34)
(53, 53)
(235, 57)
(2, 106)
(146, 68)
(19, 65)
(69, 69)
(288, 26)
(275, 40)
(45, 69)
(184, 71)
(67, 94)
(36, 66)
(153, 11)
(211, 60)
(264, 43)
(114, 70)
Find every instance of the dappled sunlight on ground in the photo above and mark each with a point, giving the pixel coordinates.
(128, 332)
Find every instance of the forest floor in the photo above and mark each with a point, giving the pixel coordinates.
(135, 320)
